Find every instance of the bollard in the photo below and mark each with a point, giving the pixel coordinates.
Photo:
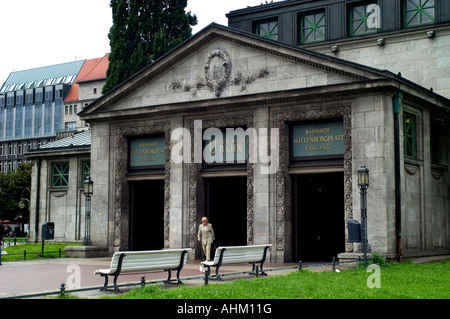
(24, 254)
(62, 289)
(207, 271)
(300, 265)
(334, 264)
(0, 253)
(142, 281)
(257, 271)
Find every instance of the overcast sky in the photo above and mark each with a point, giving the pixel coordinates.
(39, 33)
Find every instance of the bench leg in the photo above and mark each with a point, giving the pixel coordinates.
(260, 271)
(217, 273)
(178, 276)
(169, 277)
(116, 288)
(105, 286)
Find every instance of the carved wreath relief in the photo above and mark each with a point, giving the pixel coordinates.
(218, 75)
(217, 70)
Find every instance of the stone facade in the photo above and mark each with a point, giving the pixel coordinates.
(417, 55)
(62, 205)
(231, 79)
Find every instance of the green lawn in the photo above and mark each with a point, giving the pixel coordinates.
(16, 252)
(397, 281)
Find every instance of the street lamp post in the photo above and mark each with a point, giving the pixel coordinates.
(88, 190)
(363, 184)
(25, 202)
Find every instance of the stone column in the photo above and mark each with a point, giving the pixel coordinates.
(101, 219)
(176, 194)
(261, 189)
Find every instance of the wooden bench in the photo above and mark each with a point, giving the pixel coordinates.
(238, 254)
(128, 262)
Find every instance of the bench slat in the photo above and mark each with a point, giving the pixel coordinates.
(138, 261)
(238, 254)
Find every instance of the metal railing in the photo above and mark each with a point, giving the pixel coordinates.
(42, 253)
(6, 242)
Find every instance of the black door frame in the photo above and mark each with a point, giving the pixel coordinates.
(296, 206)
(207, 199)
(131, 228)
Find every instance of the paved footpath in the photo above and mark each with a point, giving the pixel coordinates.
(21, 278)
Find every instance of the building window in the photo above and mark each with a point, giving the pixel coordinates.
(409, 134)
(71, 126)
(312, 27)
(438, 141)
(361, 20)
(60, 175)
(267, 29)
(85, 170)
(418, 12)
(95, 90)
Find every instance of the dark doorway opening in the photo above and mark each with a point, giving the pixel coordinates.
(318, 216)
(226, 209)
(147, 215)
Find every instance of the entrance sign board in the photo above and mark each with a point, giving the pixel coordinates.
(325, 138)
(147, 151)
(225, 146)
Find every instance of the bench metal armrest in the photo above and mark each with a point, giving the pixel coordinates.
(178, 269)
(115, 274)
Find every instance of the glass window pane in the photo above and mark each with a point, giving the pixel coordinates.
(60, 175)
(267, 29)
(312, 27)
(417, 12)
(361, 20)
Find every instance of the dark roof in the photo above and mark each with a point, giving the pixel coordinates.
(59, 73)
(77, 141)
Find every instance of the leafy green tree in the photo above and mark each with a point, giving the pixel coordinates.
(143, 31)
(12, 186)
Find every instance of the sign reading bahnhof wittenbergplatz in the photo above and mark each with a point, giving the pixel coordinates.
(317, 139)
(148, 151)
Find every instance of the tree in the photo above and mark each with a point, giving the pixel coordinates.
(12, 186)
(143, 31)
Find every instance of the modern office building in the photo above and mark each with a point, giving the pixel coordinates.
(40, 105)
(31, 109)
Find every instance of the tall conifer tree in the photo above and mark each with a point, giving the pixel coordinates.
(143, 31)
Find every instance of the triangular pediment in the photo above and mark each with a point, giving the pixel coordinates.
(221, 62)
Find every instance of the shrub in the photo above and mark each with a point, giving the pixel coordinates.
(375, 258)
